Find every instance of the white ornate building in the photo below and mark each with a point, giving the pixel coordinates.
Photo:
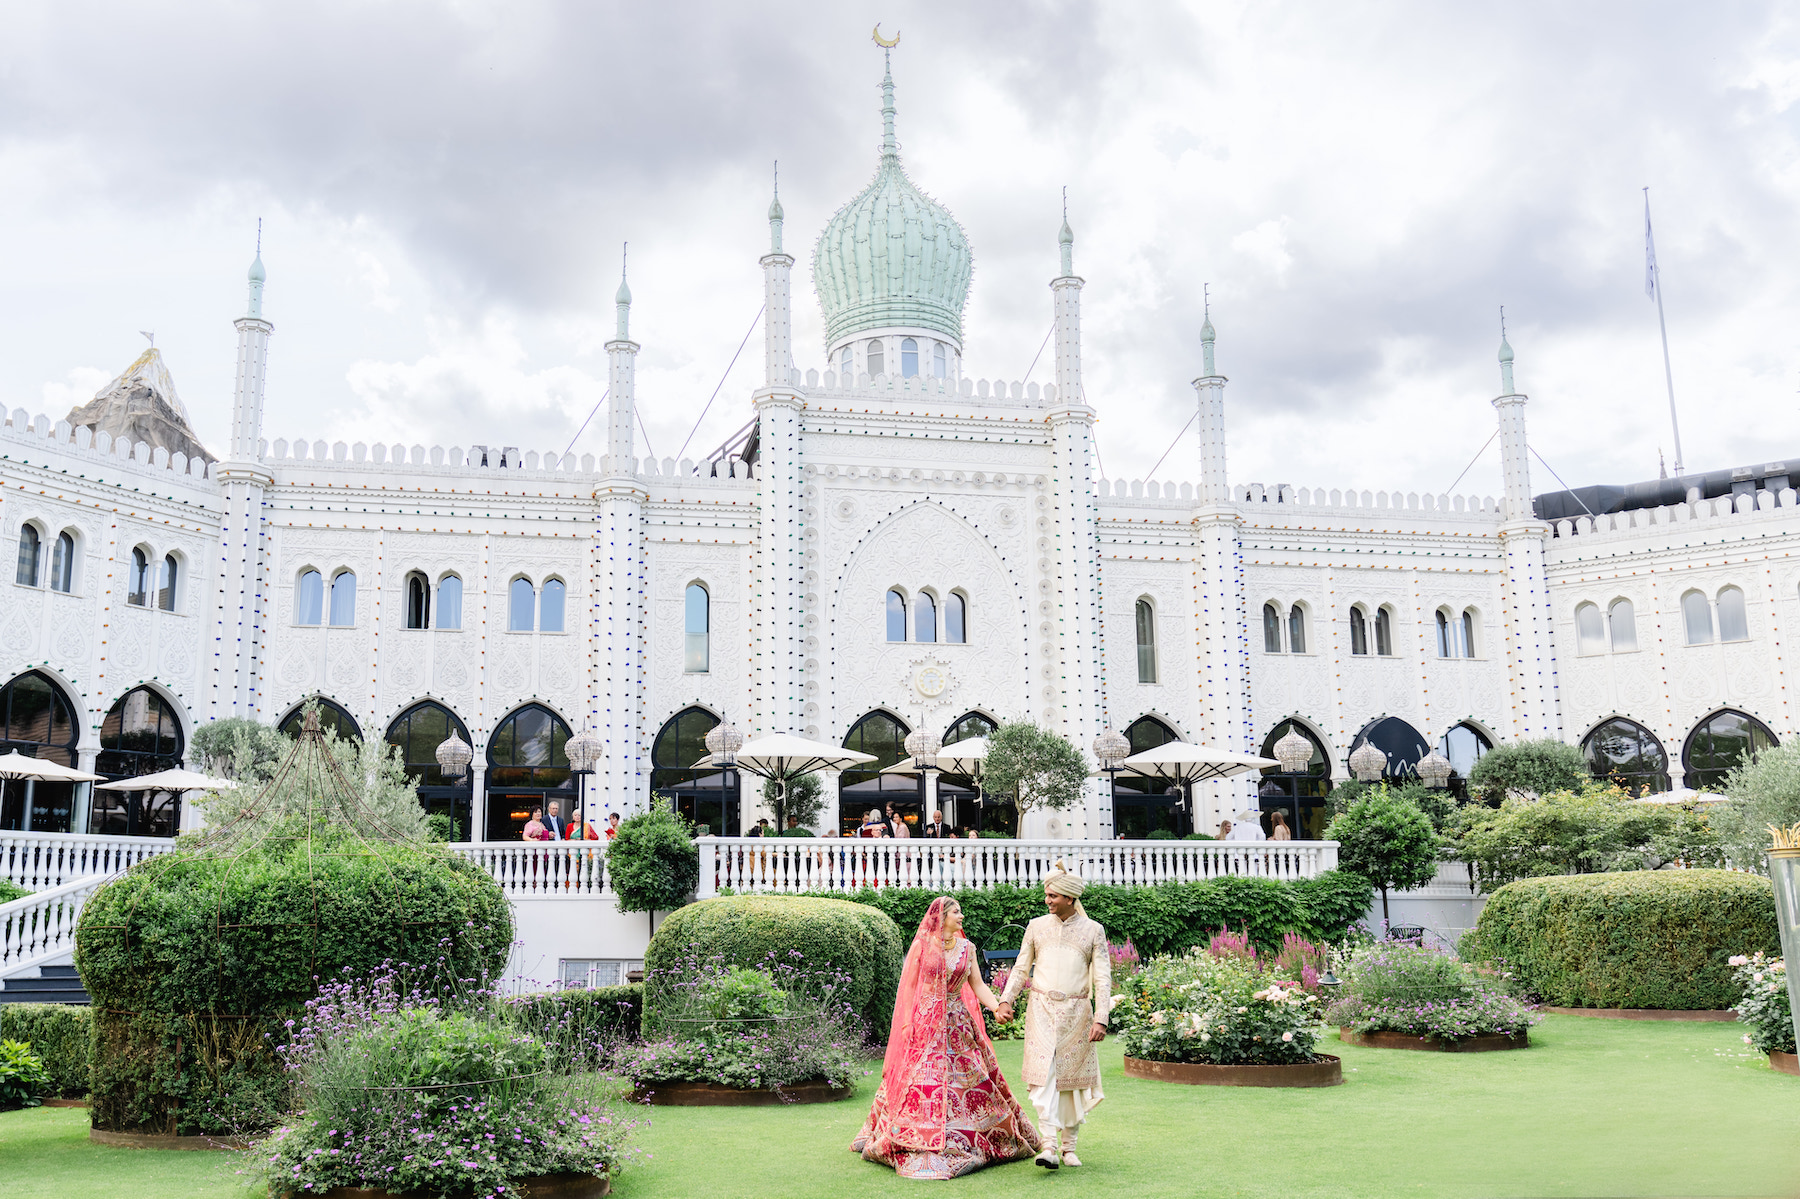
(883, 513)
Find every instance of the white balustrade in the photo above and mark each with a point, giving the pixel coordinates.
(41, 927)
(542, 869)
(794, 864)
(40, 861)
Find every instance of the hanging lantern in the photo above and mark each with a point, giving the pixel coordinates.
(1294, 752)
(1111, 748)
(585, 749)
(453, 755)
(923, 746)
(724, 742)
(1367, 763)
(1435, 769)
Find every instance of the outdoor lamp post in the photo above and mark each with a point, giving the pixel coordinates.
(1367, 763)
(723, 743)
(1294, 752)
(923, 746)
(584, 751)
(453, 757)
(1434, 768)
(1111, 748)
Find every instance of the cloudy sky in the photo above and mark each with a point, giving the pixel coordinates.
(445, 187)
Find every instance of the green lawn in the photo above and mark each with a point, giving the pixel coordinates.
(1595, 1108)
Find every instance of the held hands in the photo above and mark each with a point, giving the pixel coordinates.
(1004, 1013)
(1098, 1032)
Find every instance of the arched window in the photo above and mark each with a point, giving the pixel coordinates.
(698, 656)
(1734, 623)
(62, 564)
(708, 797)
(971, 810)
(896, 616)
(940, 360)
(1465, 640)
(521, 606)
(140, 735)
(1144, 805)
(527, 767)
(137, 583)
(1696, 618)
(847, 366)
(1463, 745)
(1622, 619)
(165, 587)
(1719, 744)
(449, 605)
(956, 618)
(1146, 641)
(334, 718)
(418, 601)
(875, 365)
(1590, 630)
(1400, 741)
(1271, 629)
(37, 720)
(1297, 629)
(909, 358)
(1359, 632)
(1625, 752)
(925, 617)
(418, 732)
(1299, 796)
(1443, 634)
(343, 598)
(550, 607)
(866, 787)
(309, 598)
(31, 553)
(1384, 632)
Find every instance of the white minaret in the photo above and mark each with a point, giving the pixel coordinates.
(1530, 651)
(1075, 710)
(780, 600)
(1218, 598)
(616, 633)
(243, 481)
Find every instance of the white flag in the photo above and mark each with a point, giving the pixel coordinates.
(1649, 251)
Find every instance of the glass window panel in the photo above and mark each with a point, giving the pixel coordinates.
(1696, 618)
(333, 719)
(62, 565)
(699, 628)
(955, 619)
(909, 358)
(521, 606)
(343, 599)
(1719, 744)
(1734, 623)
(875, 363)
(1590, 630)
(1443, 635)
(1271, 629)
(165, 589)
(550, 610)
(1359, 632)
(309, 598)
(1466, 643)
(847, 366)
(896, 616)
(1146, 642)
(1625, 752)
(30, 551)
(924, 618)
(1384, 635)
(1623, 619)
(1464, 745)
(940, 360)
(449, 603)
(418, 602)
(1297, 629)
(137, 584)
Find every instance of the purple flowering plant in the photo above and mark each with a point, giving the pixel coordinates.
(1405, 987)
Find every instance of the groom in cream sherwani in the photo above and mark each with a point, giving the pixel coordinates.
(1064, 960)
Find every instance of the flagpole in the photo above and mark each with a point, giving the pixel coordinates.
(1663, 326)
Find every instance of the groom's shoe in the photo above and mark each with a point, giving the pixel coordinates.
(1048, 1159)
(1069, 1158)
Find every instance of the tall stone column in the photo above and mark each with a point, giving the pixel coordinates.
(1529, 644)
(243, 483)
(779, 664)
(618, 582)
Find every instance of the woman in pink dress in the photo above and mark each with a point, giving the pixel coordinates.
(943, 1109)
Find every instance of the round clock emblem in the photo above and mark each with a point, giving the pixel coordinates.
(930, 681)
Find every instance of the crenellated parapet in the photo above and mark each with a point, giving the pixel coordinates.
(140, 456)
(1637, 521)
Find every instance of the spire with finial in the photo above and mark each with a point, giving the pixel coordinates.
(890, 146)
(257, 276)
(775, 214)
(623, 298)
(1067, 238)
(1506, 358)
(1206, 332)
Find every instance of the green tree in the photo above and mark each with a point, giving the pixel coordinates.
(1388, 841)
(1593, 830)
(1528, 768)
(1037, 768)
(801, 796)
(1438, 804)
(653, 863)
(1764, 790)
(240, 749)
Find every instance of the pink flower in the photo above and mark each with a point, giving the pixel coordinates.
(1287, 1036)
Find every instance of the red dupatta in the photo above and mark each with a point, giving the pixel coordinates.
(912, 1107)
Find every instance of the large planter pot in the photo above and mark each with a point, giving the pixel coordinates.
(542, 1186)
(1784, 1063)
(1784, 872)
(712, 1094)
(1328, 1071)
(1399, 1040)
(1643, 1013)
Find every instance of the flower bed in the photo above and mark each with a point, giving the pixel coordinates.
(1764, 1009)
(1216, 1007)
(1425, 996)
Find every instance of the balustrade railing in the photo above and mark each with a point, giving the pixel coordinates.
(40, 861)
(791, 864)
(41, 927)
(541, 869)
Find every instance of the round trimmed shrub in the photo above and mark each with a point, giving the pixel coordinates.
(1635, 939)
(196, 961)
(743, 930)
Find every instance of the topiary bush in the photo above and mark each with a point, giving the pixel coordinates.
(1638, 939)
(743, 930)
(196, 960)
(60, 1034)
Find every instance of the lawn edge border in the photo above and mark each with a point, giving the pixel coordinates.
(1328, 1071)
(1644, 1013)
(1388, 1039)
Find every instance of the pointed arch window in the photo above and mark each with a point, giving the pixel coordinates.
(1696, 618)
(1384, 632)
(925, 617)
(1621, 620)
(698, 656)
(1590, 630)
(865, 787)
(418, 601)
(137, 583)
(1467, 644)
(1299, 796)
(940, 360)
(1143, 805)
(521, 606)
(1734, 622)
(1721, 743)
(896, 616)
(165, 587)
(343, 599)
(550, 607)
(875, 356)
(37, 719)
(140, 735)
(449, 605)
(1297, 629)
(909, 358)
(334, 718)
(956, 618)
(417, 733)
(707, 796)
(31, 552)
(309, 598)
(62, 564)
(1271, 629)
(1146, 641)
(1464, 746)
(847, 366)
(1623, 751)
(1359, 633)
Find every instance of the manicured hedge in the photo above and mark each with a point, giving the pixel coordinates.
(744, 930)
(1166, 918)
(196, 960)
(1638, 939)
(60, 1035)
(590, 1022)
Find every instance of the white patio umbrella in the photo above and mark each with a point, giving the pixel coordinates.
(170, 780)
(781, 756)
(16, 765)
(1180, 762)
(1686, 795)
(964, 757)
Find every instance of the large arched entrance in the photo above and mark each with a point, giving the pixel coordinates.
(1142, 806)
(1298, 795)
(334, 718)
(1623, 752)
(1464, 746)
(709, 798)
(37, 720)
(878, 733)
(417, 733)
(961, 793)
(1719, 744)
(140, 735)
(528, 769)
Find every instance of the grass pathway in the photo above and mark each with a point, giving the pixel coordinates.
(1595, 1108)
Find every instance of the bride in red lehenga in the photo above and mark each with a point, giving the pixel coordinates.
(943, 1108)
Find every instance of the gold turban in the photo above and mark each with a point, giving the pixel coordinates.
(1060, 882)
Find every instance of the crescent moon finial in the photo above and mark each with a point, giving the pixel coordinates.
(883, 42)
